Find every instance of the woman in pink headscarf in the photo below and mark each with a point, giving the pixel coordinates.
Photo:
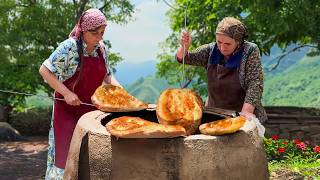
(74, 70)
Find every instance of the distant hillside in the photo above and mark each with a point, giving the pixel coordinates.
(291, 59)
(128, 73)
(299, 85)
(148, 88)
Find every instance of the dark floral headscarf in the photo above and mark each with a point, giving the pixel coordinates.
(233, 28)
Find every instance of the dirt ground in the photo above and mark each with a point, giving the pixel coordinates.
(23, 159)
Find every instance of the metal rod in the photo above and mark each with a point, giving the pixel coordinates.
(184, 48)
(183, 83)
(48, 97)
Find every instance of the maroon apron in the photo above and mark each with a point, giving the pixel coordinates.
(224, 89)
(66, 116)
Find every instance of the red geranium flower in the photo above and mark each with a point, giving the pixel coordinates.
(281, 150)
(316, 149)
(285, 142)
(301, 145)
(275, 137)
(297, 141)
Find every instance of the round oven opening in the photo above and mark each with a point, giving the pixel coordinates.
(150, 115)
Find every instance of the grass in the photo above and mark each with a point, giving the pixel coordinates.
(300, 168)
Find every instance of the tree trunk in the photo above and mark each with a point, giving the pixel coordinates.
(4, 112)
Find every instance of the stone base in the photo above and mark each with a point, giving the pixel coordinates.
(237, 156)
(8, 133)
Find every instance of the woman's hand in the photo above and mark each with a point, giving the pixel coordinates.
(249, 116)
(111, 80)
(72, 99)
(185, 39)
(247, 111)
(185, 42)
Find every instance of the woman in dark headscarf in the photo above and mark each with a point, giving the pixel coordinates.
(235, 76)
(74, 70)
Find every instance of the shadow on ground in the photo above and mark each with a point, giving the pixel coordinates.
(23, 159)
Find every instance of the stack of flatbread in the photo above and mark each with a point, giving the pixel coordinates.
(111, 98)
(179, 112)
(180, 107)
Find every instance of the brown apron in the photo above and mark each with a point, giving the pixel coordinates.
(66, 116)
(224, 89)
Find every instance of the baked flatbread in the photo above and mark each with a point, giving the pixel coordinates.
(111, 98)
(135, 127)
(224, 126)
(180, 107)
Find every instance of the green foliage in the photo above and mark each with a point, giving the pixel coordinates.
(279, 22)
(39, 102)
(297, 86)
(32, 121)
(31, 30)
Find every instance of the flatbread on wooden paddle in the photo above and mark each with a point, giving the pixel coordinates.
(135, 127)
(224, 126)
(180, 107)
(111, 98)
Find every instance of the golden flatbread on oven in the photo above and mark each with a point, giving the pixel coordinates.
(224, 126)
(135, 127)
(111, 98)
(180, 107)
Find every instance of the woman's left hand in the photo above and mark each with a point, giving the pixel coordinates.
(247, 111)
(249, 116)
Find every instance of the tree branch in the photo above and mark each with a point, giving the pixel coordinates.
(32, 2)
(105, 5)
(187, 83)
(282, 56)
(81, 9)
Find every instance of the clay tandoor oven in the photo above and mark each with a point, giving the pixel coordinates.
(95, 154)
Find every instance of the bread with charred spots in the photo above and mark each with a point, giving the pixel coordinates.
(224, 126)
(111, 98)
(136, 127)
(180, 107)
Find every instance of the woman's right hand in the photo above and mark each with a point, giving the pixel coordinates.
(185, 41)
(72, 99)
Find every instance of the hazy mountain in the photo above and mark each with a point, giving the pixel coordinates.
(128, 73)
(148, 88)
(299, 85)
(291, 59)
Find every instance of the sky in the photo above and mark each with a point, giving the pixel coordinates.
(138, 41)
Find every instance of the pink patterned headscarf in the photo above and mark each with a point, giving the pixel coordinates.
(89, 20)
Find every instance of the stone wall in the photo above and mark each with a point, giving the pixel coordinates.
(294, 123)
